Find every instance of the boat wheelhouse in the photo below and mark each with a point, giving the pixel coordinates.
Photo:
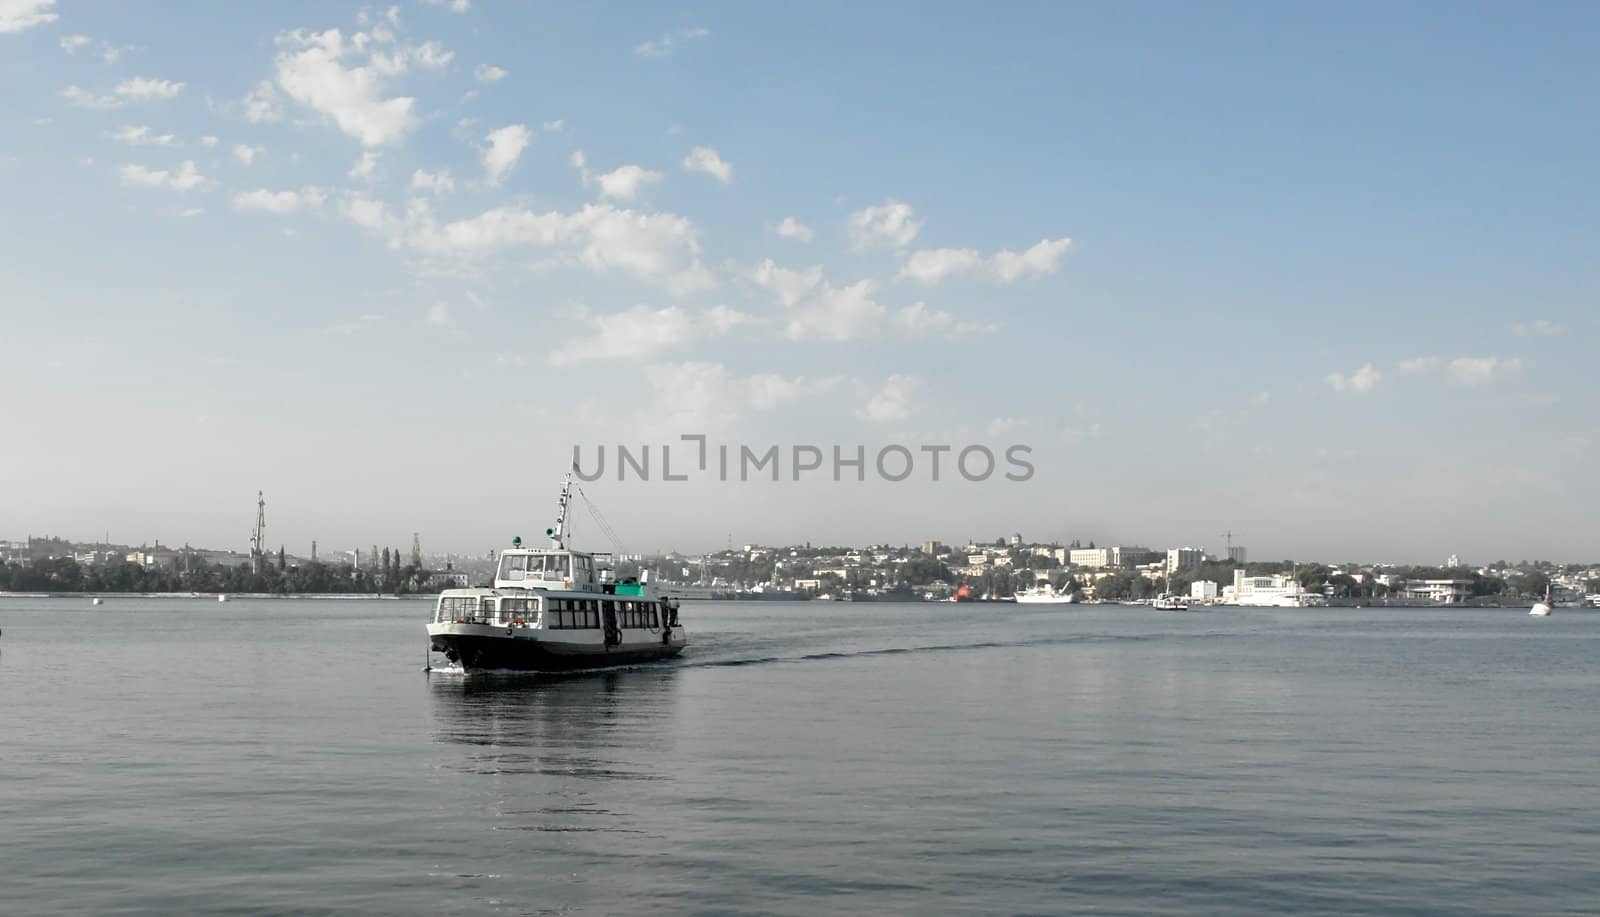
(554, 609)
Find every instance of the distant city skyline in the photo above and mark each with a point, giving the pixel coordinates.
(1318, 276)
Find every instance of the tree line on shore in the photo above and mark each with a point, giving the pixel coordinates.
(64, 574)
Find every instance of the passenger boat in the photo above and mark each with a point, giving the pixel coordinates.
(552, 610)
(1170, 601)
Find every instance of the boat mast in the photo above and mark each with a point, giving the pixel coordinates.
(558, 535)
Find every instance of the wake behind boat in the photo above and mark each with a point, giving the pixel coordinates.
(552, 610)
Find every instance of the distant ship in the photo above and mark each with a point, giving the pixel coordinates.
(1542, 609)
(554, 609)
(1045, 594)
(694, 591)
(963, 592)
(1170, 601)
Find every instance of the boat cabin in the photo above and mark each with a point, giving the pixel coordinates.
(552, 568)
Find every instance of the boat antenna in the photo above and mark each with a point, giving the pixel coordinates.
(558, 535)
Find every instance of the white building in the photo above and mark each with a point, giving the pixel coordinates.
(1092, 558)
(1203, 590)
(1439, 591)
(1183, 558)
(1274, 591)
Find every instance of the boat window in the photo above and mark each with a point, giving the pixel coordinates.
(457, 607)
(525, 610)
(637, 615)
(555, 566)
(513, 566)
(571, 614)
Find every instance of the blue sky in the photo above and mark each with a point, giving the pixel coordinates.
(1318, 275)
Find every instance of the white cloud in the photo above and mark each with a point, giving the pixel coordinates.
(791, 228)
(1002, 425)
(1043, 258)
(439, 315)
(505, 148)
(365, 167)
(579, 161)
(705, 159)
(83, 98)
(889, 225)
(933, 266)
(311, 70)
(664, 46)
(706, 396)
(623, 183)
(190, 212)
(346, 329)
(455, 6)
(186, 178)
(438, 182)
(1539, 328)
(1364, 379)
(145, 89)
(208, 141)
(247, 154)
(431, 55)
(488, 73)
(72, 44)
(1472, 371)
(643, 331)
(261, 104)
(659, 247)
(16, 15)
(554, 127)
(789, 286)
(892, 403)
(919, 319)
(141, 136)
(1466, 371)
(816, 309)
(835, 314)
(279, 202)
(1416, 365)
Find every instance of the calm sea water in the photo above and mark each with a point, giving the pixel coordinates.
(265, 756)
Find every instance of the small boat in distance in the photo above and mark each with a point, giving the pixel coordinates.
(1045, 594)
(1170, 601)
(963, 592)
(552, 610)
(1542, 609)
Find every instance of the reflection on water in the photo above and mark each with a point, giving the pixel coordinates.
(607, 725)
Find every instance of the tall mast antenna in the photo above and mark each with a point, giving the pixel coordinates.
(558, 535)
(257, 546)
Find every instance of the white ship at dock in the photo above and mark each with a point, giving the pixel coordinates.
(1269, 591)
